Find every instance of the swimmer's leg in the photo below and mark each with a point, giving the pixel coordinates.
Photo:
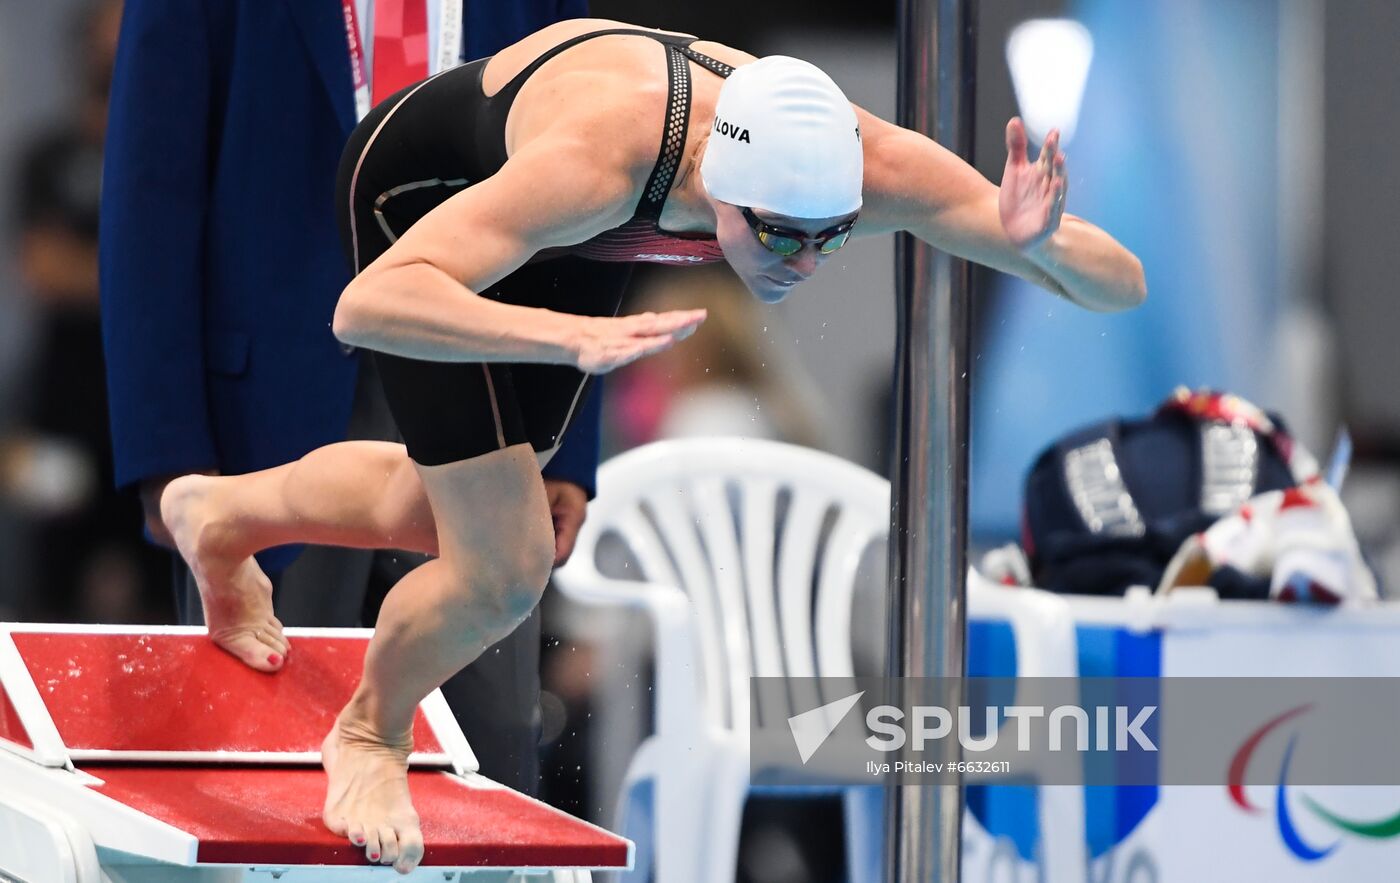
(496, 546)
(363, 494)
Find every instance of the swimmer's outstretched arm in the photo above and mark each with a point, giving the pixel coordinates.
(419, 299)
(912, 183)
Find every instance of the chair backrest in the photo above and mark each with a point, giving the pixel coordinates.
(764, 537)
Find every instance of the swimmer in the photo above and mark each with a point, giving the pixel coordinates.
(491, 214)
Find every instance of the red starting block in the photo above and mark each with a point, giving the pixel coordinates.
(148, 755)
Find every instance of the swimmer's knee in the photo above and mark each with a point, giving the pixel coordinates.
(513, 584)
(532, 563)
(506, 609)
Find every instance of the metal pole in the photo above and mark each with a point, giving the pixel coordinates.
(928, 555)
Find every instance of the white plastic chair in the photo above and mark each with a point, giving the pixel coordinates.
(732, 538)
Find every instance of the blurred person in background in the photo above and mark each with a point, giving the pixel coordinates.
(89, 561)
(727, 381)
(221, 265)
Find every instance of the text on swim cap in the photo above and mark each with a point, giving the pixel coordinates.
(738, 133)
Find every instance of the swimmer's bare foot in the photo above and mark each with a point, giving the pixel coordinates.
(367, 798)
(236, 594)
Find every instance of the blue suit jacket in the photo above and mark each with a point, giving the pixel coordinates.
(220, 259)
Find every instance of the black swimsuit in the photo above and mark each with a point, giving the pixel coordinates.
(435, 138)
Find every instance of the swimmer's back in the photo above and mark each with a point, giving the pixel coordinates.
(616, 78)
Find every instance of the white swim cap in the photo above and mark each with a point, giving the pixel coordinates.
(785, 139)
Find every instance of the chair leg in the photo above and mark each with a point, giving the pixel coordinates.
(636, 819)
(684, 798)
(1062, 836)
(864, 819)
(724, 815)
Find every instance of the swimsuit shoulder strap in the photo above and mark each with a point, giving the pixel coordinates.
(510, 89)
(677, 124)
(668, 157)
(713, 65)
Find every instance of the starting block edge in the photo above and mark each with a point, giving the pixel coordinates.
(111, 823)
(457, 751)
(477, 780)
(19, 685)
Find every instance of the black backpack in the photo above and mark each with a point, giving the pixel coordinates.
(1107, 506)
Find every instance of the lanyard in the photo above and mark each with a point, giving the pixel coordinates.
(449, 48)
(358, 74)
(449, 35)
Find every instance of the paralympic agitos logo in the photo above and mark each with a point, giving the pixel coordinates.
(1376, 829)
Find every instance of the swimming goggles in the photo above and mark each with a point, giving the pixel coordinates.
(787, 243)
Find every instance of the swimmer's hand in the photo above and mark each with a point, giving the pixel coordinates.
(1032, 198)
(568, 507)
(605, 343)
